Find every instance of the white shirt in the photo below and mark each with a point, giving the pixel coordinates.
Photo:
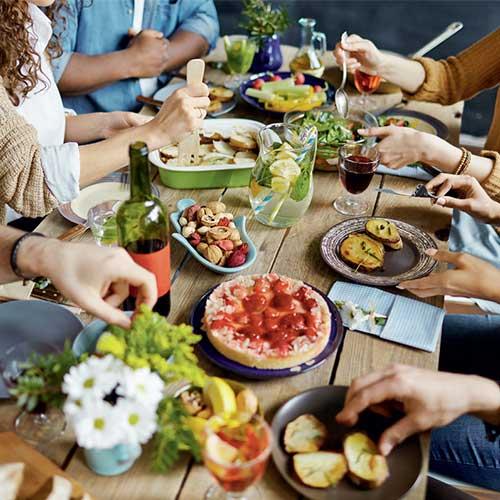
(148, 85)
(43, 108)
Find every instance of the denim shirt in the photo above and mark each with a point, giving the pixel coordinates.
(101, 26)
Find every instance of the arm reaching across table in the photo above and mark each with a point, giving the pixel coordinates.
(97, 279)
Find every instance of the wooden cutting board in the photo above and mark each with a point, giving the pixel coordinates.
(37, 468)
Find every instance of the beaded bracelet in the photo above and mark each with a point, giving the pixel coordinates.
(464, 164)
(15, 250)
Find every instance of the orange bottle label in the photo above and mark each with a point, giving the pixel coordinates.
(159, 264)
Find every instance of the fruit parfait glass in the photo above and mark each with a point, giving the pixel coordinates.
(236, 455)
(281, 184)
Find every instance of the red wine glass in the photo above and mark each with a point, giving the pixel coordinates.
(366, 85)
(357, 165)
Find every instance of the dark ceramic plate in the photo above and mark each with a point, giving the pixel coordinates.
(409, 263)
(309, 80)
(405, 461)
(420, 121)
(35, 320)
(233, 367)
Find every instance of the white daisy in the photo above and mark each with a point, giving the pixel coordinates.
(142, 385)
(137, 421)
(97, 427)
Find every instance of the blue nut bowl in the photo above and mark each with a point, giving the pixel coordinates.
(240, 223)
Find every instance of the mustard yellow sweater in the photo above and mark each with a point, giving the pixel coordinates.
(461, 77)
(22, 180)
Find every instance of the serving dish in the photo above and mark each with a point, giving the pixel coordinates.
(309, 80)
(240, 223)
(205, 346)
(210, 176)
(405, 461)
(411, 262)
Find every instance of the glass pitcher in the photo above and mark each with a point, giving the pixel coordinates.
(312, 48)
(281, 185)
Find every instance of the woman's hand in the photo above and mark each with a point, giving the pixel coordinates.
(472, 198)
(471, 277)
(362, 54)
(429, 399)
(116, 121)
(183, 112)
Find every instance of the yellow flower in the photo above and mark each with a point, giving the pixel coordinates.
(135, 361)
(111, 344)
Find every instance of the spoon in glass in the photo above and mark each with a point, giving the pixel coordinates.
(341, 100)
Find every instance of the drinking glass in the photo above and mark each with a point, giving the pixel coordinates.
(357, 164)
(102, 222)
(240, 461)
(240, 51)
(41, 424)
(366, 85)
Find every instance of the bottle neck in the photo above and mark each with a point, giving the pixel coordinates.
(140, 181)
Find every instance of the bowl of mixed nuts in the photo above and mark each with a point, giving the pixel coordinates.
(213, 236)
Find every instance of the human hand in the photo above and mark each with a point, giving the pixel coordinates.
(472, 198)
(471, 277)
(147, 53)
(429, 399)
(116, 121)
(399, 146)
(96, 279)
(362, 54)
(183, 112)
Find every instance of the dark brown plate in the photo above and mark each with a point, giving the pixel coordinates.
(409, 263)
(405, 461)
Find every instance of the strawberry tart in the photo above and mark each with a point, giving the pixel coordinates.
(267, 321)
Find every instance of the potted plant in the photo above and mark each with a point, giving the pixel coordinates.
(265, 24)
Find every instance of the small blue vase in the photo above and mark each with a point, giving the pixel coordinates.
(112, 461)
(269, 56)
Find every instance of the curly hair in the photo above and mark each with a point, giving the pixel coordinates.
(20, 65)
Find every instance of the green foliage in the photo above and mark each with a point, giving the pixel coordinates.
(173, 436)
(262, 20)
(151, 341)
(41, 379)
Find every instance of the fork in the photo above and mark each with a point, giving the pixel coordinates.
(420, 192)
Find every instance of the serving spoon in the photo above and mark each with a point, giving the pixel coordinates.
(341, 99)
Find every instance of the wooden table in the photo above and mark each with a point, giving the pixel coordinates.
(295, 252)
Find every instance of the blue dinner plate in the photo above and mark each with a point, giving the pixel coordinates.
(35, 320)
(205, 346)
(309, 80)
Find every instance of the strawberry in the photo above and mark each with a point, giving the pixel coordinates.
(257, 84)
(300, 79)
(276, 78)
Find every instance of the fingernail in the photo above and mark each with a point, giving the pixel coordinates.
(431, 251)
(401, 287)
(440, 201)
(385, 449)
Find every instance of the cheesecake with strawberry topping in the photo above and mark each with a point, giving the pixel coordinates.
(267, 321)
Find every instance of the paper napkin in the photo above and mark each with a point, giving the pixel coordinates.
(409, 322)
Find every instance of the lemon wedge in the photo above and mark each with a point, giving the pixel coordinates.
(219, 450)
(280, 184)
(286, 168)
(221, 397)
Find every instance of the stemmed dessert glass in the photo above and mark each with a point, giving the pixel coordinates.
(240, 51)
(236, 455)
(357, 165)
(366, 85)
(41, 424)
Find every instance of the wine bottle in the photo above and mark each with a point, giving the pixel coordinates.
(142, 224)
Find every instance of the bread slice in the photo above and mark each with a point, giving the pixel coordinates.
(214, 106)
(362, 252)
(384, 231)
(55, 488)
(221, 94)
(240, 141)
(320, 469)
(367, 468)
(11, 478)
(304, 434)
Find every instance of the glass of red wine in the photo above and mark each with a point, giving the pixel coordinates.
(357, 164)
(366, 85)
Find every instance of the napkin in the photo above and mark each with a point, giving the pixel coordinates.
(479, 239)
(409, 322)
(413, 172)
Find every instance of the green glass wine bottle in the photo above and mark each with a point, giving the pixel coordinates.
(142, 224)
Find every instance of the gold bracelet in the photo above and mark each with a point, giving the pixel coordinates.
(464, 164)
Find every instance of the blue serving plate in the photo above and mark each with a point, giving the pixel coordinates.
(235, 368)
(240, 223)
(309, 80)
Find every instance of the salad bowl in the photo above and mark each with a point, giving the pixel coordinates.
(240, 223)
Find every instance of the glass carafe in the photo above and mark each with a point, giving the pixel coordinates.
(312, 47)
(281, 186)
